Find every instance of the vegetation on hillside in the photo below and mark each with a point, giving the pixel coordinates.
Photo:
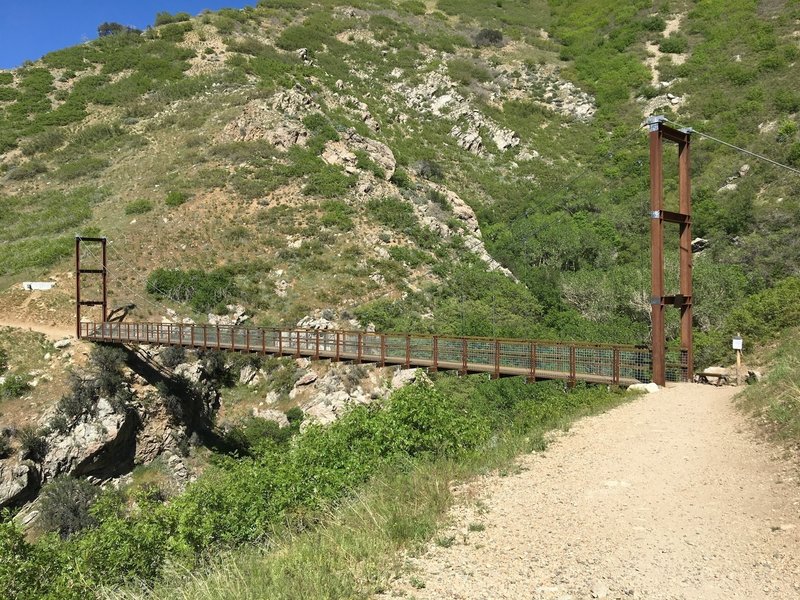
(288, 485)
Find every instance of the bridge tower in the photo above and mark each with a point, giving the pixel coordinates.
(659, 132)
(80, 270)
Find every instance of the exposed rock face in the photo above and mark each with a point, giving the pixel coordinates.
(102, 446)
(342, 153)
(464, 213)
(271, 415)
(19, 482)
(277, 120)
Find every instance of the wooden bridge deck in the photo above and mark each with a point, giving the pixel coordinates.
(572, 362)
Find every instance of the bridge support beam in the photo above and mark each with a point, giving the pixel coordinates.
(80, 271)
(659, 132)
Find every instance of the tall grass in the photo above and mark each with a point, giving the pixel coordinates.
(775, 402)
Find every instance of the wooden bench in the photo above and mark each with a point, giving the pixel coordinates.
(708, 376)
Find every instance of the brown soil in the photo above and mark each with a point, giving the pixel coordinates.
(669, 497)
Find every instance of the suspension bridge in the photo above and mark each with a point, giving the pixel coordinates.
(571, 362)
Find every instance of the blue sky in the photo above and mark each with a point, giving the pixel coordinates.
(32, 28)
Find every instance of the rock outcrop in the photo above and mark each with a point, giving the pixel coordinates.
(19, 482)
(102, 445)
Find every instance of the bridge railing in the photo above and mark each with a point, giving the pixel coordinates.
(572, 361)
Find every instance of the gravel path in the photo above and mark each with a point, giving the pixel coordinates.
(669, 497)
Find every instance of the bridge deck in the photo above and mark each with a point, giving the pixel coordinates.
(596, 363)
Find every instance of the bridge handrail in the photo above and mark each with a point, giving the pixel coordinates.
(612, 363)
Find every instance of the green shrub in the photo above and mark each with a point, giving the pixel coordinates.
(6, 78)
(45, 141)
(787, 101)
(14, 386)
(202, 290)
(27, 170)
(5, 446)
(64, 506)
(467, 71)
(107, 363)
(488, 37)
(793, 157)
(329, 182)
(674, 44)
(165, 18)
(81, 400)
(172, 356)
(3, 361)
(393, 213)
(337, 214)
(176, 198)
(174, 32)
(401, 179)
(765, 314)
(81, 167)
(32, 443)
(138, 207)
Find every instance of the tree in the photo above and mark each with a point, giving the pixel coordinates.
(111, 28)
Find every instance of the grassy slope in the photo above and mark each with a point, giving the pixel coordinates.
(775, 402)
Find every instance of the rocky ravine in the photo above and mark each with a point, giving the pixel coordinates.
(667, 498)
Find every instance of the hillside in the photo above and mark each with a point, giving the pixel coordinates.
(464, 168)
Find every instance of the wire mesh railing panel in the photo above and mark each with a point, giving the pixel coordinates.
(594, 361)
(553, 358)
(514, 355)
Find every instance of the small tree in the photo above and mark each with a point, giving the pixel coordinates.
(488, 37)
(107, 362)
(111, 28)
(64, 506)
(32, 443)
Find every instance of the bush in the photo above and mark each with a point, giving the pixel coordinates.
(81, 167)
(165, 18)
(107, 363)
(45, 141)
(3, 361)
(138, 207)
(488, 37)
(337, 214)
(203, 290)
(787, 101)
(793, 157)
(427, 169)
(401, 179)
(172, 356)
(26, 170)
(176, 198)
(64, 506)
(5, 446)
(674, 44)
(14, 387)
(32, 443)
(329, 182)
(393, 213)
(81, 400)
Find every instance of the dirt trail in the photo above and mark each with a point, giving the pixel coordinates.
(53, 333)
(669, 497)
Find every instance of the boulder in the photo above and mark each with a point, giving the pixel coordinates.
(191, 371)
(19, 482)
(102, 445)
(306, 379)
(247, 376)
(63, 343)
(271, 415)
(649, 388)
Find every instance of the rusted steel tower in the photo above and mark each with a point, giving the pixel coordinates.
(659, 132)
(79, 271)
